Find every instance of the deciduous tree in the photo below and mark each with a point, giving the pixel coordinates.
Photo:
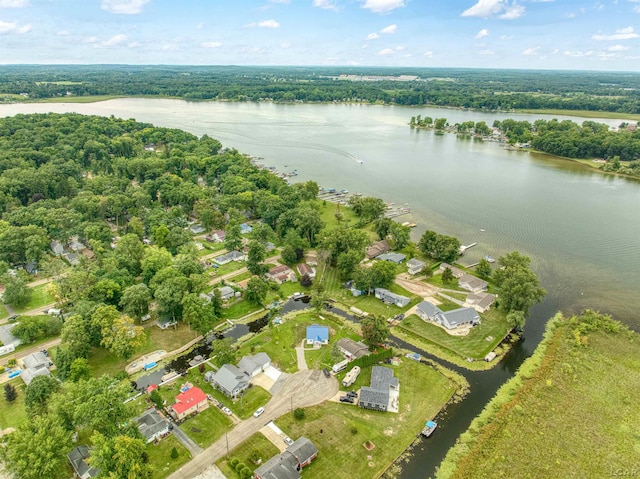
(374, 330)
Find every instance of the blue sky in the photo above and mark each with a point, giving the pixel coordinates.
(546, 34)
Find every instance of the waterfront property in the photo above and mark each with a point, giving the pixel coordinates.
(383, 393)
(415, 266)
(392, 257)
(457, 272)
(230, 380)
(481, 302)
(377, 248)
(288, 464)
(78, 459)
(449, 319)
(317, 334)
(352, 349)
(191, 401)
(472, 284)
(281, 274)
(152, 425)
(254, 365)
(304, 268)
(388, 297)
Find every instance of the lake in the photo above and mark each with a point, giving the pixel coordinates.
(580, 227)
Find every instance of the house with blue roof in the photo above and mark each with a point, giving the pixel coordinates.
(317, 334)
(245, 228)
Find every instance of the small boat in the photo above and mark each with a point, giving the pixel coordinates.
(482, 230)
(344, 192)
(406, 223)
(428, 428)
(150, 365)
(490, 259)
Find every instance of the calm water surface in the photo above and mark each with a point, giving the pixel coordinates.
(580, 227)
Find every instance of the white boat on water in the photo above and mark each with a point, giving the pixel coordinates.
(428, 429)
(490, 259)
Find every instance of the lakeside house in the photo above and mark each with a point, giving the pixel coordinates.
(481, 302)
(377, 248)
(450, 319)
(230, 380)
(472, 284)
(388, 297)
(78, 459)
(352, 349)
(254, 365)
(229, 257)
(304, 268)
(191, 401)
(457, 272)
(317, 334)
(415, 266)
(384, 392)
(281, 274)
(152, 425)
(288, 464)
(227, 293)
(392, 257)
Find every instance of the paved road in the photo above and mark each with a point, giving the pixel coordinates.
(25, 352)
(302, 389)
(218, 279)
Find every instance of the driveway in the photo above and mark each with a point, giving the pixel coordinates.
(302, 389)
(302, 362)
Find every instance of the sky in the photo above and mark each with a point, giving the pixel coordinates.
(529, 34)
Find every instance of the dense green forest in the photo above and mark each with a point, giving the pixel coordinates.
(461, 88)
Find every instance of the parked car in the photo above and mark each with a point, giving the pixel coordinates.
(326, 372)
(13, 317)
(346, 399)
(288, 440)
(352, 394)
(227, 411)
(258, 412)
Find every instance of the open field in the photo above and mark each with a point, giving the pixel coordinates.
(160, 457)
(12, 414)
(3, 311)
(340, 430)
(239, 309)
(584, 113)
(257, 446)
(569, 412)
(38, 299)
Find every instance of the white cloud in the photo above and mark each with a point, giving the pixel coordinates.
(486, 52)
(285, 45)
(90, 40)
(482, 33)
(169, 47)
(578, 54)
(428, 54)
(636, 9)
(620, 34)
(125, 7)
(271, 23)
(531, 51)
(617, 48)
(389, 29)
(488, 8)
(385, 52)
(63, 33)
(372, 36)
(114, 40)
(200, 26)
(383, 6)
(134, 44)
(211, 44)
(506, 37)
(399, 48)
(13, 27)
(326, 4)
(14, 3)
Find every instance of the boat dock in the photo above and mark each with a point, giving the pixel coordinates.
(464, 248)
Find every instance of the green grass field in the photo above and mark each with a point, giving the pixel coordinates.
(584, 113)
(239, 309)
(340, 430)
(3, 311)
(207, 427)
(12, 414)
(160, 457)
(571, 410)
(38, 299)
(257, 446)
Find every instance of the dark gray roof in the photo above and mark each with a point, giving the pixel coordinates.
(354, 348)
(77, 458)
(282, 466)
(374, 396)
(382, 378)
(414, 262)
(28, 374)
(460, 316)
(35, 360)
(303, 449)
(151, 423)
(229, 377)
(428, 308)
(393, 257)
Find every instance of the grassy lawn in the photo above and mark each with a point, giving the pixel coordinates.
(325, 357)
(339, 431)
(228, 268)
(207, 427)
(3, 311)
(139, 405)
(287, 289)
(239, 309)
(570, 411)
(328, 212)
(160, 457)
(12, 414)
(242, 276)
(475, 345)
(253, 398)
(39, 298)
(256, 446)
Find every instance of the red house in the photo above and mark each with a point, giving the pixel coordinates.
(191, 401)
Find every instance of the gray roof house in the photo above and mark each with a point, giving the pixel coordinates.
(227, 292)
(229, 257)
(288, 464)
(415, 266)
(396, 258)
(449, 319)
(377, 248)
(230, 380)
(78, 459)
(76, 245)
(6, 337)
(35, 360)
(57, 248)
(35, 364)
(304, 451)
(481, 302)
(254, 365)
(197, 229)
(457, 272)
(388, 297)
(352, 349)
(152, 425)
(382, 393)
(471, 283)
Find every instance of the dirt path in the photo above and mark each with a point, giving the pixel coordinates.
(416, 287)
(302, 389)
(232, 274)
(302, 362)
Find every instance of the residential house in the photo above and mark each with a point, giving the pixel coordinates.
(377, 248)
(457, 272)
(57, 248)
(193, 400)
(352, 349)
(208, 376)
(152, 425)
(383, 393)
(304, 268)
(396, 258)
(216, 236)
(6, 337)
(197, 229)
(388, 297)
(449, 319)
(75, 245)
(269, 247)
(227, 293)
(254, 365)
(229, 257)
(415, 266)
(472, 284)
(281, 274)
(35, 364)
(245, 229)
(72, 258)
(287, 465)
(481, 302)
(317, 334)
(230, 380)
(31, 267)
(78, 459)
